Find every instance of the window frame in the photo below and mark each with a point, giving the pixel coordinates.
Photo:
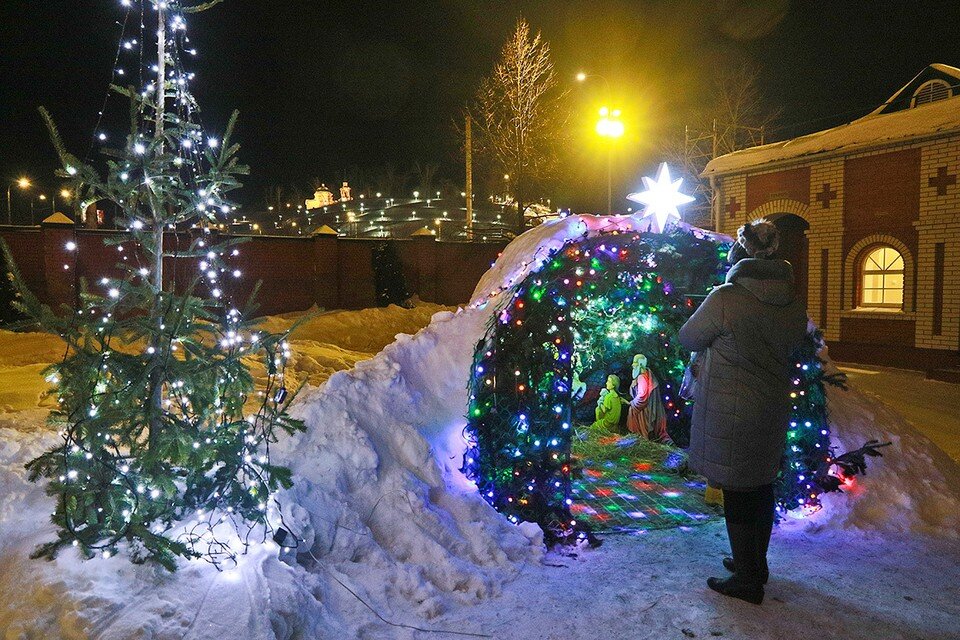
(863, 272)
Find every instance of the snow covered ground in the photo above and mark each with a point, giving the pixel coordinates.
(929, 405)
(391, 534)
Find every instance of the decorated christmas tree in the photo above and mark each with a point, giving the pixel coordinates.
(165, 431)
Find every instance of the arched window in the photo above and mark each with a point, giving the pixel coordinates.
(931, 92)
(881, 278)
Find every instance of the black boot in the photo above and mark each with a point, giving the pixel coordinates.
(746, 583)
(731, 566)
(764, 529)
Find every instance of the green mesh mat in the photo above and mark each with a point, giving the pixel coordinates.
(628, 484)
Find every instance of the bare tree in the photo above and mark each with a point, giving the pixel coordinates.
(735, 117)
(425, 173)
(520, 115)
(274, 196)
(388, 180)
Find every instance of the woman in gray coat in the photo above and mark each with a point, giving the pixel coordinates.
(746, 332)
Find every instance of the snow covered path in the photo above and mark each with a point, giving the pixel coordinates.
(838, 585)
(930, 405)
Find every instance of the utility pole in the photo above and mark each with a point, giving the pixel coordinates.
(468, 189)
(609, 178)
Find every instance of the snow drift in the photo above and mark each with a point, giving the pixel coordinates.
(381, 512)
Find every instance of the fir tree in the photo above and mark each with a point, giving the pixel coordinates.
(165, 431)
(388, 279)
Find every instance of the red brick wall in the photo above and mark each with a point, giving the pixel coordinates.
(877, 331)
(882, 195)
(792, 184)
(26, 245)
(295, 273)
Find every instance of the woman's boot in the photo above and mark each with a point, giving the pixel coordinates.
(746, 583)
(731, 566)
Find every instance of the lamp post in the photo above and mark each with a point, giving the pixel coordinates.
(611, 127)
(64, 195)
(24, 184)
(42, 198)
(608, 126)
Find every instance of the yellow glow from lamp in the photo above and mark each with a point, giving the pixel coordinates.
(609, 125)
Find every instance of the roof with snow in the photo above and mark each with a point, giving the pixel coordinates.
(902, 118)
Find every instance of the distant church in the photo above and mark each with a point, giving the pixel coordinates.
(323, 197)
(870, 213)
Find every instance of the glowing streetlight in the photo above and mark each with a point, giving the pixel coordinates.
(24, 184)
(610, 126)
(581, 77)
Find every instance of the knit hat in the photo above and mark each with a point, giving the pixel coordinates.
(757, 239)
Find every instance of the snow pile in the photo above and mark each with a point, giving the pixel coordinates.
(377, 502)
(22, 357)
(370, 504)
(914, 488)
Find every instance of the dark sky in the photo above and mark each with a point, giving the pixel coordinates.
(323, 86)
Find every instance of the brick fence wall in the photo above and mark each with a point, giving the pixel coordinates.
(294, 272)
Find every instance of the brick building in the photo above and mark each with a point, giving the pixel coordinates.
(870, 214)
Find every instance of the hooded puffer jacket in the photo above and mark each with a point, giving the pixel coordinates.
(746, 331)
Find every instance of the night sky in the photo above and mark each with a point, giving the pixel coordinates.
(325, 86)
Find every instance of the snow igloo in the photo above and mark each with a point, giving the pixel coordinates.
(579, 309)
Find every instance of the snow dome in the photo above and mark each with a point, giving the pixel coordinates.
(581, 311)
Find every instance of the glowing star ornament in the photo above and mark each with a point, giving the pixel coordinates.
(661, 198)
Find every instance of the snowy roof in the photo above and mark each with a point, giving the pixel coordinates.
(57, 218)
(875, 129)
(936, 70)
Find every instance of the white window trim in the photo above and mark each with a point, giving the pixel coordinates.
(928, 83)
(852, 276)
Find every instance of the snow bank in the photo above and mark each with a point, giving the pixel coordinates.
(914, 488)
(370, 503)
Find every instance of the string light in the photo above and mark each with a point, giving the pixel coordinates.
(590, 305)
(132, 463)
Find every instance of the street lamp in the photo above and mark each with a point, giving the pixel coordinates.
(611, 127)
(24, 184)
(583, 77)
(42, 198)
